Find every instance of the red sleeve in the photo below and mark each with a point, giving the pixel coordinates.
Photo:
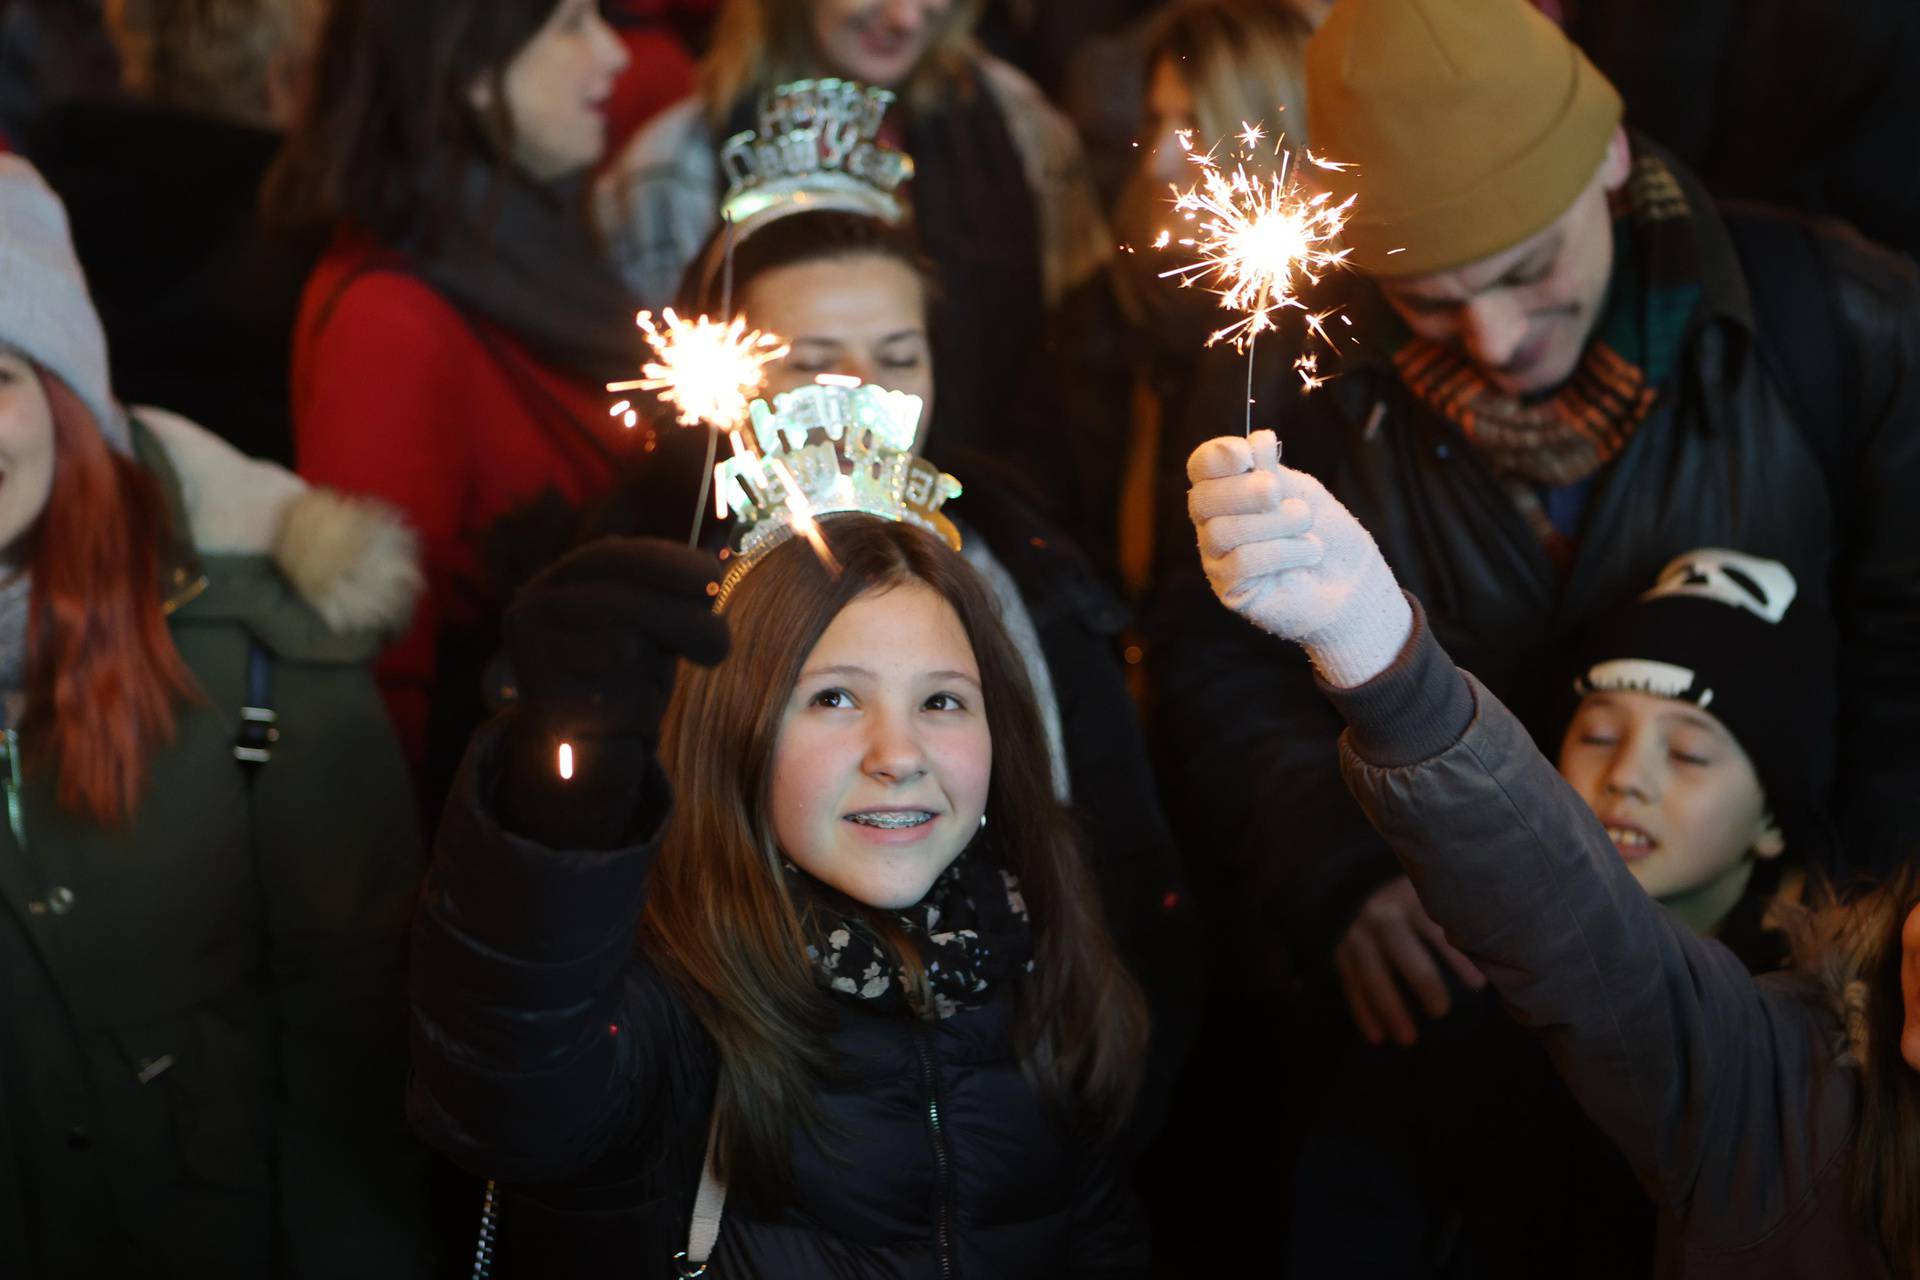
(378, 409)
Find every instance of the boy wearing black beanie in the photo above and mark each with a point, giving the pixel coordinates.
(1697, 737)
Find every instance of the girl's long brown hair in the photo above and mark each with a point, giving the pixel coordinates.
(719, 918)
(758, 44)
(1853, 948)
(103, 677)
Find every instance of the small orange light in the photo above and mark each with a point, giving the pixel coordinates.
(566, 762)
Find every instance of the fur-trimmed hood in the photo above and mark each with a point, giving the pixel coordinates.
(352, 559)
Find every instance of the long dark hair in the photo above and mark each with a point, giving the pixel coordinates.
(386, 133)
(719, 918)
(1851, 944)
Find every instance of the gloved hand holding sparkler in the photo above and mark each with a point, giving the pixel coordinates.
(1284, 554)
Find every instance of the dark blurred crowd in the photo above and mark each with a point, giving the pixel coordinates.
(318, 534)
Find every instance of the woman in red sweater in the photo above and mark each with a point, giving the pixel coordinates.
(453, 345)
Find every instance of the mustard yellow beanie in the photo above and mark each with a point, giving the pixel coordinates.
(1471, 125)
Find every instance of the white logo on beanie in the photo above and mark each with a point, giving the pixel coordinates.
(1764, 588)
(1642, 675)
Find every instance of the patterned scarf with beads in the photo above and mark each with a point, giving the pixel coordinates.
(970, 934)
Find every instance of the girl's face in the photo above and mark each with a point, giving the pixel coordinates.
(1673, 788)
(26, 449)
(863, 315)
(557, 89)
(881, 768)
(878, 41)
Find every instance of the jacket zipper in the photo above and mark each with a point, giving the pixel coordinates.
(16, 817)
(943, 1227)
(10, 743)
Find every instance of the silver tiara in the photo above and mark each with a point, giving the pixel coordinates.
(816, 148)
(823, 450)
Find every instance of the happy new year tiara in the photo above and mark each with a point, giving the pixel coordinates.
(816, 148)
(824, 450)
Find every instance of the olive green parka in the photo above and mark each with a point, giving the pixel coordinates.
(202, 1023)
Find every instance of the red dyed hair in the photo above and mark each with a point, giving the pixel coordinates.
(103, 676)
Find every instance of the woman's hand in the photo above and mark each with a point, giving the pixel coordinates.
(1284, 554)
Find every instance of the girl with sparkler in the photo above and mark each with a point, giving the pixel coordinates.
(453, 344)
(852, 298)
(872, 1025)
(1776, 1121)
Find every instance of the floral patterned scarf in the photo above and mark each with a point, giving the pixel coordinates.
(970, 933)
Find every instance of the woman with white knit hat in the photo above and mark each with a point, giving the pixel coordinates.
(208, 852)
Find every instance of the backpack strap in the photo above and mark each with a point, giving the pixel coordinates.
(1803, 338)
(708, 1205)
(253, 745)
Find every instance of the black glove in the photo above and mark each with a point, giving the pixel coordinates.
(594, 642)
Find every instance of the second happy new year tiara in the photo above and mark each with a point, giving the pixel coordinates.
(817, 147)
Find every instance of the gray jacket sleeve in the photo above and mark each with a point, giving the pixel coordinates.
(1707, 1079)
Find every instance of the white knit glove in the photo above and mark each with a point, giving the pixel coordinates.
(1284, 554)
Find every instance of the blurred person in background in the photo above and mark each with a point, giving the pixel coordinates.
(1000, 197)
(209, 854)
(453, 345)
(162, 183)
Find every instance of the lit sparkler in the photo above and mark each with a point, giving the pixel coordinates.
(707, 370)
(1260, 239)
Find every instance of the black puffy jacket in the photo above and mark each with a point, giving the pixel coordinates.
(549, 1053)
(1723, 460)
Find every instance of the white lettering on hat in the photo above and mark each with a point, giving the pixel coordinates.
(1764, 588)
(1642, 675)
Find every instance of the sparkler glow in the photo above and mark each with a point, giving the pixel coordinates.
(1260, 240)
(707, 370)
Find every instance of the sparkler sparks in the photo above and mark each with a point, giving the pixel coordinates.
(707, 370)
(1259, 239)
(804, 523)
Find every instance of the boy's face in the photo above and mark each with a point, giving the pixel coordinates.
(1675, 791)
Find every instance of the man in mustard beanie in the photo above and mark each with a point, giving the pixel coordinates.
(1565, 366)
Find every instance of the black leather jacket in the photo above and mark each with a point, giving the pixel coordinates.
(1721, 461)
